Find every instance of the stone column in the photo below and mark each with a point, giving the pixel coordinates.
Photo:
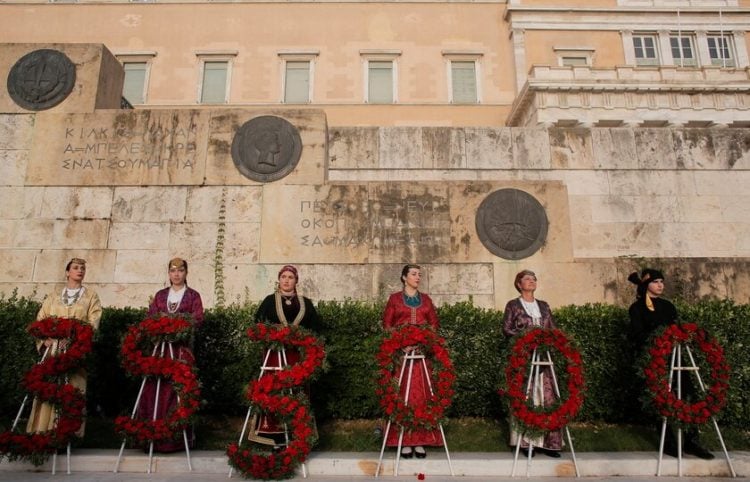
(627, 43)
(704, 56)
(665, 48)
(519, 56)
(741, 49)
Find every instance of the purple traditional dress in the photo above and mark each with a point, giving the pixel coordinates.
(416, 310)
(521, 315)
(185, 301)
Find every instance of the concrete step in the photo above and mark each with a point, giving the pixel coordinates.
(470, 464)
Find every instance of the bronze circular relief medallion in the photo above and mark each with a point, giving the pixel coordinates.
(41, 79)
(266, 148)
(511, 224)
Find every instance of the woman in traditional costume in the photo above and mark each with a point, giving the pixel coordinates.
(521, 314)
(412, 307)
(649, 313)
(176, 300)
(72, 301)
(288, 308)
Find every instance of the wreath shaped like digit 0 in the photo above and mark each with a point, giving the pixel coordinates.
(657, 370)
(559, 414)
(427, 413)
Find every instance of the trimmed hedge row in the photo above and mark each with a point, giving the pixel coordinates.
(352, 332)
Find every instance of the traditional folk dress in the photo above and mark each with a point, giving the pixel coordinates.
(415, 310)
(185, 301)
(82, 304)
(519, 316)
(295, 310)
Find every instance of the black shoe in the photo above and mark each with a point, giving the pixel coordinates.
(407, 453)
(670, 450)
(420, 452)
(525, 452)
(550, 453)
(698, 451)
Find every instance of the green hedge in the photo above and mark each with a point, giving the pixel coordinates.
(352, 332)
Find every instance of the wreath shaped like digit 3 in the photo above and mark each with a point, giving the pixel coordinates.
(535, 419)
(150, 333)
(293, 410)
(43, 382)
(657, 369)
(427, 413)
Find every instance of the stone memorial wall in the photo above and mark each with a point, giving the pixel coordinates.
(240, 191)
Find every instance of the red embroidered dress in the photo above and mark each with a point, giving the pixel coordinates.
(398, 313)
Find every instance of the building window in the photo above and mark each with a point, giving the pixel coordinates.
(463, 82)
(574, 61)
(214, 82)
(720, 50)
(134, 86)
(297, 82)
(683, 51)
(380, 82)
(574, 56)
(645, 50)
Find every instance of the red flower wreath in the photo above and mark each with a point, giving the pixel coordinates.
(293, 410)
(657, 371)
(428, 413)
(43, 382)
(149, 333)
(538, 418)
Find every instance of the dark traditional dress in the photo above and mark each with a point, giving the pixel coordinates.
(398, 313)
(295, 310)
(644, 321)
(519, 316)
(192, 306)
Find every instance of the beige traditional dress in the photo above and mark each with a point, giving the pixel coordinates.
(82, 305)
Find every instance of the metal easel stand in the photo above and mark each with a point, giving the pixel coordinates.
(411, 357)
(160, 347)
(20, 411)
(676, 366)
(535, 375)
(265, 367)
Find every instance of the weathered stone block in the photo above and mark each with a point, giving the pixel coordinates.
(193, 241)
(443, 148)
(735, 209)
(721, 183)
(400, 147)
(531, 148)
(20, 203)
(49, 266)
(69, 202)
(121, 295)
(138, 235)
(571, 149)
(62, 234)
(16, 130)
(613, 209)
(732, 147)
(18, 265)
(461, 279)
(592, 183)
(488, 148)
(654, 183)
(141, 266)
(242, 204)
(13, 167)
(155, 204)
(98, 76)
(241, 243)
(694, 149)
(655, 149)
(353, 147)
(614, 148)
(699, 209)
(658, 209)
